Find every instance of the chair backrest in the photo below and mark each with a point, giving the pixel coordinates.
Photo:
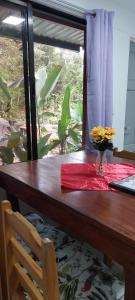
(124, 154)
(20, 273)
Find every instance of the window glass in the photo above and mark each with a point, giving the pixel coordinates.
(12, 99)
(58, 53)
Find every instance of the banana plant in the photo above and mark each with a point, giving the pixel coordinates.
(65, 120)
(45, 85)
(69, 125)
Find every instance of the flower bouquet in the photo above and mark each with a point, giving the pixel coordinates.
(102, 140)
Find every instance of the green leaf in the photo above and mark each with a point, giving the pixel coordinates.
(13, 140)
(4, 88)
(43, 130)
(43, 149)
(74, 135)
(55, 143)
(50, 83)
(21, 154)
(43, 140)
(65, 115)
(6, 155)
(60, 133)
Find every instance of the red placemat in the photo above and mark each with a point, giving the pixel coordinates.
(83, 176)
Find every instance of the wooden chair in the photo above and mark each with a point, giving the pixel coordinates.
(19, 272)
(124, 154)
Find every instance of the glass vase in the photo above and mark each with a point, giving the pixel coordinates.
(101, 163)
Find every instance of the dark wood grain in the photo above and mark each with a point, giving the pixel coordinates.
(105, 219)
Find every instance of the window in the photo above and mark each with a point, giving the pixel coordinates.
(41, 82)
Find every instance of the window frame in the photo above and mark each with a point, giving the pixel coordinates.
(63, 18)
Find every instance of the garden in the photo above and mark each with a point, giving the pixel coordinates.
(59, 96)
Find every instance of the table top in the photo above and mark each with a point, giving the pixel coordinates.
(38, 183)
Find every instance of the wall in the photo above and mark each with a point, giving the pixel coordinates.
(129, 140)
(124, 29)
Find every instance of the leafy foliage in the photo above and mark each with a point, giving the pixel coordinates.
(15, 148)
(54, 70)
(6, 155)
(50, 83)
(43, 147)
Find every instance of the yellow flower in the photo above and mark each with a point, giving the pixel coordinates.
(108, 136)
(102, 137)
(110, 130)
(100, 134)
(97, 132)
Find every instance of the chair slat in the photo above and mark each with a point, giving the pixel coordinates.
(50, 271)
(25, 230)
(26, 260)
(27, 283)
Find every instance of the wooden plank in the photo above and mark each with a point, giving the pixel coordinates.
(124, 154)
(50, 272)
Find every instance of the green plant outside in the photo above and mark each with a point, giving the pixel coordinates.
(68, 131)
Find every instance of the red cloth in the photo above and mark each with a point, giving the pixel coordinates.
(83, 176)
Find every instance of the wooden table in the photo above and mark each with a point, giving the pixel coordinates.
(103, 218)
